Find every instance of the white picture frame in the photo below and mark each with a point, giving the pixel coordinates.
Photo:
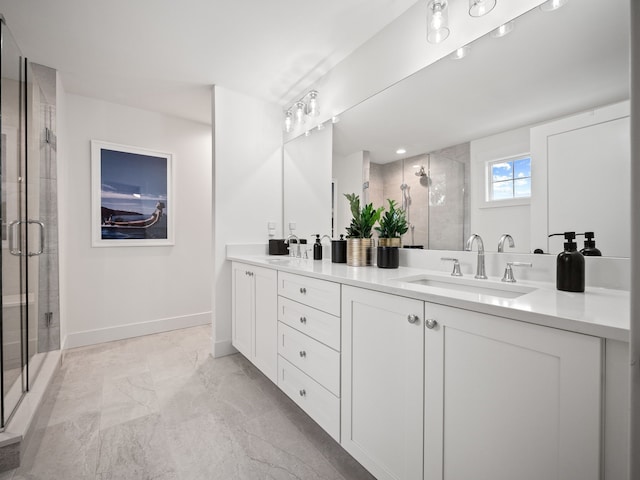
(132, 196)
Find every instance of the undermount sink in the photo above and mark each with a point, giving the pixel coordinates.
(281, 260)
(480, 287)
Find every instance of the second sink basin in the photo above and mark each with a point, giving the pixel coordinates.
(480, 287)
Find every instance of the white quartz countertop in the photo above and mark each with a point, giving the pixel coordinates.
(599, 312)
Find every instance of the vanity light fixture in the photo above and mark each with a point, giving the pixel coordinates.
(460, 53)
(478, 8)
(552, 5)
(437, 21)
(295, 115)
(312, 106)
(503, 30)
(288, 121)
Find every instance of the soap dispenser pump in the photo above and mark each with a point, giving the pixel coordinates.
(590, 249)
(317, 248)
(569, 265)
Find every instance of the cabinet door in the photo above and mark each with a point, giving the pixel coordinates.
(242, 308)
(506, 399)
(265, 351)
(382, 382)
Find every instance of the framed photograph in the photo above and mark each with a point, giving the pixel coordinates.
(132, 202)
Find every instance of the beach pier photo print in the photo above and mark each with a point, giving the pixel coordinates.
(131, 196)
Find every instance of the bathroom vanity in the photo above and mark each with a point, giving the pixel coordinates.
(420, 375)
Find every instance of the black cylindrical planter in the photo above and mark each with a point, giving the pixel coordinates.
(388, 257)
(339, 251)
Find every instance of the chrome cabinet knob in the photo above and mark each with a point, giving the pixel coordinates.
(303, 320)
(413, 318)
(303, 290)
(303, 392)
(431, 323)
(303, 353)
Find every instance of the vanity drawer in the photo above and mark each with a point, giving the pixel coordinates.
(312, 357)
(315, 293)
(315, 323)
(313, 398)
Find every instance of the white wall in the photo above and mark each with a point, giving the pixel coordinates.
(491, 222)
(348, 174)
(119, 292)
(247, 189)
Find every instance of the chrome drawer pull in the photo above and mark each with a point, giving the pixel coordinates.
(303, 319)
(303, 392)
(303, 353)
(413, 318)
(303, 290)
(431, 323)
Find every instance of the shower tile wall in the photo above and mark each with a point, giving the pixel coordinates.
(449, 197)
(437, 208)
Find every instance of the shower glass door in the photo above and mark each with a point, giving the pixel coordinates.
(22, 232)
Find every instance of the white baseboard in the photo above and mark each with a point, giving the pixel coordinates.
(121, 332)
(223, 348)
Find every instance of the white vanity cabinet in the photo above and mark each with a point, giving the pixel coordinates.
(309, 347)
(506, 399)
(255, 316)
(382, 382)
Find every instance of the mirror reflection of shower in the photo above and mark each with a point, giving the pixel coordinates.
(433, 192)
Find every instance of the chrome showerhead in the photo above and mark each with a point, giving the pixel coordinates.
(421, 172)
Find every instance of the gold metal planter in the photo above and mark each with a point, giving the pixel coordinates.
(359, 252)
(389, 242)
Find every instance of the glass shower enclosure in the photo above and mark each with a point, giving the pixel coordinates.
(27, 195)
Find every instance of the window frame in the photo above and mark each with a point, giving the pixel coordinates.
(488, 183)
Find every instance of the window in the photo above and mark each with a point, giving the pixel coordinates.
(509, 179)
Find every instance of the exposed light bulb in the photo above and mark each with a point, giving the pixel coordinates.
(437, 21)
(503, 30)
(298, 113)
(552, 5)
(460, 53)
(312, 106)
(478, 8)
(288, 121)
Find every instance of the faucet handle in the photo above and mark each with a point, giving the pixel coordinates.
(456, 266)
(508, 271)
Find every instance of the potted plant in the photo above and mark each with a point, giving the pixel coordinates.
(360, 231)
(393, 224)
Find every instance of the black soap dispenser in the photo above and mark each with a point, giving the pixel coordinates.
(317, 248)
(590, 249)
(569, 265)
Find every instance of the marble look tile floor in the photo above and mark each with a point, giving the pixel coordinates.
(160, 407)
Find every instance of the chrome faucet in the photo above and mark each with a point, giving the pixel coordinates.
(297, 255)
(503, 238)
(480, 272)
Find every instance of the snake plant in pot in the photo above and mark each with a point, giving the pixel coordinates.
(360, 231)
(393, 224)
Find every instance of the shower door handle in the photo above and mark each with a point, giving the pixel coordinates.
(41, 249)
(11, 233)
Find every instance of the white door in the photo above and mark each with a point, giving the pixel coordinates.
(382, 382)
(508, 400)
